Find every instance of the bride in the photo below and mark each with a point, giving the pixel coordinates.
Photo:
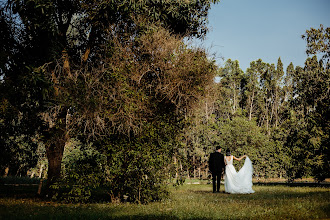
(241, 181)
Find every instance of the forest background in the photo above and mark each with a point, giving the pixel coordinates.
(108, 95)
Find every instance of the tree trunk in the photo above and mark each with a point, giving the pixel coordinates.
(6, 172)
(54, 156)
(234, 105)
(276, 108)
(194, 167)
(176, 167)
(267, 117)
(41, 169)
(251, 106)
(89, 45)
(54, 152)
(40, 186)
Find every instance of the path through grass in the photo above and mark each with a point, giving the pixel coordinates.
(187, 202)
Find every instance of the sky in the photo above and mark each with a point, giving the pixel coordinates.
(246, 30)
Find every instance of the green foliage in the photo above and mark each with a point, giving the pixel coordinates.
(318, 41)
(101, 69)
(137, 168)
(84, 171)
(309, 135)
(251, 89)
(134, 169)
(180, 17)
(244, 137)
(18, 155)
(232, 76)
(283, 128)
(308, 140)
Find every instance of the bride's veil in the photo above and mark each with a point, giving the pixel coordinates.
(245, 173)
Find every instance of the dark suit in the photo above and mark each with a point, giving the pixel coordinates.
(216, 166)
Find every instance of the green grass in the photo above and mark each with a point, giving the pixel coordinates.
(190, 201)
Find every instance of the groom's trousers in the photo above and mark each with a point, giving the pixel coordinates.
(216, 177)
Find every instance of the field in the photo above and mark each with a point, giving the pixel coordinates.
(190, 201)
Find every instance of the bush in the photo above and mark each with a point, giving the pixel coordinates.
(83, 172)
(136, 171)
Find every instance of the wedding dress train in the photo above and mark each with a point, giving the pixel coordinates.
(241, 181)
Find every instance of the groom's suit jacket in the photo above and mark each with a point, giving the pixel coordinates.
(216, 162)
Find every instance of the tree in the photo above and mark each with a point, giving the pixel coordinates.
(242, 136)
(232, 75)
(116, 44)
(271, 85)
(251, 87)
(200, 133)
(309, 135)
(318, 41)
(288, 82)
(278, 96)
(311, 106)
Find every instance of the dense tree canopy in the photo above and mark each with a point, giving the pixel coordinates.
(279, 119)
(101, 71)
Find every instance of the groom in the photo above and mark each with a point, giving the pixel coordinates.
(216, 166)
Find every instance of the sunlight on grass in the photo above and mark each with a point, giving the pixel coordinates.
(188, 202)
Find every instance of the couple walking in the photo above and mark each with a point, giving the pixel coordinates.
(235, 182)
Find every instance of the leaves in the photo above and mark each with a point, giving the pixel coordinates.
(318, 41)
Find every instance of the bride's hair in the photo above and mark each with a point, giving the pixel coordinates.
(228, 152)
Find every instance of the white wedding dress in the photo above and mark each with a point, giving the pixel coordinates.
(241, 181)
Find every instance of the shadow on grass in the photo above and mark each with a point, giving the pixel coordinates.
(208, 192)
(34, 209)
(265, 194)
(79, 216)
(18, 191)
(30, 191)
(326, 185)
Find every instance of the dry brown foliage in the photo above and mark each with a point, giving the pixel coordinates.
(124, 90)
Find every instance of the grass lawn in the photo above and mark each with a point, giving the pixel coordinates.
(191, 201)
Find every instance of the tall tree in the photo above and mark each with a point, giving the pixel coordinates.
(252, 87)
(231, 75)
(288, 82)
(266, 82)
(69, 41)
(278, 96)
(309, 136)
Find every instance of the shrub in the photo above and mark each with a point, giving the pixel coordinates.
(83, 172)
